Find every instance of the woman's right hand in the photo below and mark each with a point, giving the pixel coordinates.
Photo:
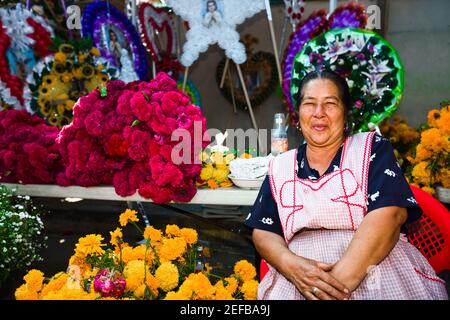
(313, 280)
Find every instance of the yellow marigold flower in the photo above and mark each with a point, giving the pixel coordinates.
(445, 178)
(127, 254)
(422, 153)
(142, 251)
(127, 216)
(116, 235)
(34, 280)
(232, 284)
(207, 172)
(60, 57)
(250, 289)
(244, 270)
(429, 190)
(189, 235)
(168, 276)
(228, 158)
(90, 245)
(172, 230)
(433, 116)
(22, 293)
(217, 158)
(203, 156)
(434, 140)
(154, 235)
(226, 184)
(134, 274)
(79, 261)
(172, 249)
(422, 174)
(222, 167)
(221, 175)
(175, 296)
(152, 285)
(443, 123)
(212, 184)
(246, 155)
(55, 284)
(221, 293)
(68, 293)
(197, 287)
(94, 51)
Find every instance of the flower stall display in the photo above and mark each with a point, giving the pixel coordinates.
(368, 62)
(58, 81)
(158, 29)
(21, 235)
(347, 15)
(215, 169)
(167, 266)
(24, 39)
(403, 138)
(214, 22)
(432, 155)
(121, 135)
(112, 32)
(28, 149)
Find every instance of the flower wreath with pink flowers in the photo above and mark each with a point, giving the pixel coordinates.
(121, 136)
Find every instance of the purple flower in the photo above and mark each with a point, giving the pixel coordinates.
(109, 284)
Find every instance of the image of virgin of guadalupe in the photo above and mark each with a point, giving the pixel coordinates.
(212, 15)
(114, 47)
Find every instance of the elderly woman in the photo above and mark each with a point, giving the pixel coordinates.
(330, 217)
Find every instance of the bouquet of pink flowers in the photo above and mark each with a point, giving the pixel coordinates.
(121, 135)
(28, 151)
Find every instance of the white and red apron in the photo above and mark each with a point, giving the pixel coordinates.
(320, 217)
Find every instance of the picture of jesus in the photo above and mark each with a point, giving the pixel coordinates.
(212, 15)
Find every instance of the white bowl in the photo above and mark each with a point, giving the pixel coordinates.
(247, 183)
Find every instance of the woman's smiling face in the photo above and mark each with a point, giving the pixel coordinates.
(322, 114)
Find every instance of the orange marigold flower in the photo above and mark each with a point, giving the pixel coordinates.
(152, 234)
(127, 216)
(172, 230)
(250, 289)
(116, 235)
(172, 249)
(90, 245)
(189, 235)
(244, 270)
(34, 280)
(212, 184)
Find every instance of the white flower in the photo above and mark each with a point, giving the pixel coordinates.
(350, 83)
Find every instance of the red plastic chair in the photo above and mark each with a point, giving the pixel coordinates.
(432, 236)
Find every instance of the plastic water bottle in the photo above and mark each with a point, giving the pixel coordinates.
(279, 140)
